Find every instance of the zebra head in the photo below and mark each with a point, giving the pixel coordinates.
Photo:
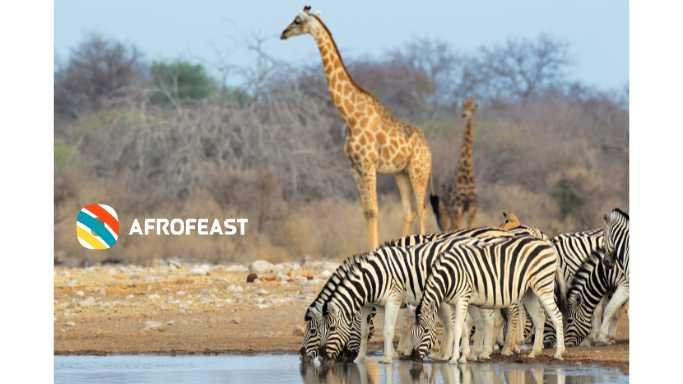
(336, 330)
(617, 238)
(311, 344)
(578, 321)
(423, 332)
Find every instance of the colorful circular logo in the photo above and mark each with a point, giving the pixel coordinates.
(97, 226)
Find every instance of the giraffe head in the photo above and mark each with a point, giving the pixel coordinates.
(304, 22)
(468, 108)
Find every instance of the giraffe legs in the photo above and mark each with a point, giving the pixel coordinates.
(419, 180)
(366, 180)
(471, 214)
(404, 188)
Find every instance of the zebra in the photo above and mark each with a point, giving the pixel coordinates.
(575, 249)
(594, 280)
(313, 315)
(617, 251)
(491, 274)
(388, 277)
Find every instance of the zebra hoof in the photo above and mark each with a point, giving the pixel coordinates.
(462, 360)
(558, 356)
(359, 359)
(601, 342)
(386, 360)
(531, 355)
(506, 352)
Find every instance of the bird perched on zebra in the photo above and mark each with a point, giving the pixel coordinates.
(492, 274)
(388, 277)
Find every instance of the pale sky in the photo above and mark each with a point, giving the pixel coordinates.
(199, 30)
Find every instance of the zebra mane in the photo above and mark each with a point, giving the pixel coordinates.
(331, 284)
(618, 210)
(582, 275)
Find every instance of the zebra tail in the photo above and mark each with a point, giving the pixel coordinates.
(561, 291)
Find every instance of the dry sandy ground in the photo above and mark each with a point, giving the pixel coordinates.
(207, 309)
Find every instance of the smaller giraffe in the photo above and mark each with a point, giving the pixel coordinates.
(460, 196)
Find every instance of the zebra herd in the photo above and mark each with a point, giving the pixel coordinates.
(464, 278)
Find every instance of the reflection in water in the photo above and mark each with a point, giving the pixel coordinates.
(286, 369)
(495, 373)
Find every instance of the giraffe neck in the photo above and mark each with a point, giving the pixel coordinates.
(465, 164)
(342, 88)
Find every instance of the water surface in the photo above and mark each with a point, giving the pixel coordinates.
(286, 368)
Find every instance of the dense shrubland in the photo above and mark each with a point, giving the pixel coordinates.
(166, 139)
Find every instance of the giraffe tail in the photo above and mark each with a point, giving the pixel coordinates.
(434, 202)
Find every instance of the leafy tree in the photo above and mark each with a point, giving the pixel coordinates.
(180, 81)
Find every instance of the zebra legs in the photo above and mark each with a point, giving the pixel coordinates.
(391, 309)
(512, 335)
(596, 321)
(483, 335)
(547, 299)
(364, 329)
(538, 319)
(446, 313)
(460, 312)
(619, 297)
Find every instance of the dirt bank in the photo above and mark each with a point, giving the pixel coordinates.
(207, 309)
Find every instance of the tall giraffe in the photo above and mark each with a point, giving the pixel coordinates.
(376, 141)
(460, 196)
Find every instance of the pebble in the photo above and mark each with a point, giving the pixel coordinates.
(235, 320)
(80, 293)
(325, 274)
(203, 270)
(235, 288)
(236, 268)
(298, 330)
(261, 266)
(261, 292)
(251, 277)
(87, 302)
(153, 325)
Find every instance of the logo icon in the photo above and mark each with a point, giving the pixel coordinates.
(97, 226)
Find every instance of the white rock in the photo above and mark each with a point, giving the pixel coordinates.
(262, 306)
(80, 293)
(153, 324)
(235, 288)
(261, 292)
(236, 268)
(261, 266)
(235, 320)
(181, 293)
(203, 269)
(70, 324)
(329, 266)
(89, 301)
(325, 274)
(153, 296)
